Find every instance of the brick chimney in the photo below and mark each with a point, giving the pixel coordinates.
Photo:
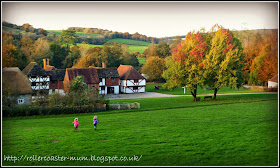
(45, 62)
(103, 65)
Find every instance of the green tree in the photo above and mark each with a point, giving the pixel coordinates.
(163, 49)
(68, 37)
(72, 58)
(58, 55)
(224, 62)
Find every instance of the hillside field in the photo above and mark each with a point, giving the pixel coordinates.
(236, 130)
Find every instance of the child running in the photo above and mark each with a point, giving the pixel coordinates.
(76, 123)
(95, 120)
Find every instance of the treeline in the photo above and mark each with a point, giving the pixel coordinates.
(110, 35)
(260, 48)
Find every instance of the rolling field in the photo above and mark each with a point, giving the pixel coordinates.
(235, 130)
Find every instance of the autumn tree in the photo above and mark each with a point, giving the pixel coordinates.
(94, 57)
(224, 62)
(154, 68)
(41, 50)
(43, 32)
(186, 66)
(8, 55)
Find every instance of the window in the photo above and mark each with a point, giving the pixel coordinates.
(102, 87)
(135, 88)
(136, 81)
(20, 101)
(100, 79)
(113, 79)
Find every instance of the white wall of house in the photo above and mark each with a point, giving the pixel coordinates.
(116, 89)
(102, 83)
(39, 83)
(129, 86)
(272, 84)
(102, 91)
(141, 82)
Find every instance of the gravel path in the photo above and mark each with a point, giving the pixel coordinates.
(157, 95)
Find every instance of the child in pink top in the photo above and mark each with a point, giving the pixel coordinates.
(76, 123)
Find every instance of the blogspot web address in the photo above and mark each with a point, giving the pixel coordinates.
(93, 158)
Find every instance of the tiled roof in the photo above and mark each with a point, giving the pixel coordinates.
(16, 81)
(90, 74)
(127, 72)
(274, 79)
(107, 72)
(57, 74)
(33, 69)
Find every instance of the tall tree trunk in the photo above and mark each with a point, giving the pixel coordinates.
(194, 94)
(215, 93)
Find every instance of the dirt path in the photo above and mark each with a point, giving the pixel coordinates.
(157, 95)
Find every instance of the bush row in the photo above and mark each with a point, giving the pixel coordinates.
(19, 111)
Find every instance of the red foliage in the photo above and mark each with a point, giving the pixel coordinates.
(197, 52)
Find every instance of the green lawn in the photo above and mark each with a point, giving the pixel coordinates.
(130, 42)
(180, 91)
(235, 130)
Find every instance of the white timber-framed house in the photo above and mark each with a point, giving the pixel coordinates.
(108, 81)
(131, 81)
(38, 77)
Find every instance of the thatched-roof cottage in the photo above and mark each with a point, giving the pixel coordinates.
(16, 86)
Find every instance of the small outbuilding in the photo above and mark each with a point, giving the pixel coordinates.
(273, 82)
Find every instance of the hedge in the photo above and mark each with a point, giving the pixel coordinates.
(23, 110)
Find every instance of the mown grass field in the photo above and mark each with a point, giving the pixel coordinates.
(235, 130)
(150, 87)
(130, 42)
(131, 48)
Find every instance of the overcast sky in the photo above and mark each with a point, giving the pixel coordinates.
(156, 19)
